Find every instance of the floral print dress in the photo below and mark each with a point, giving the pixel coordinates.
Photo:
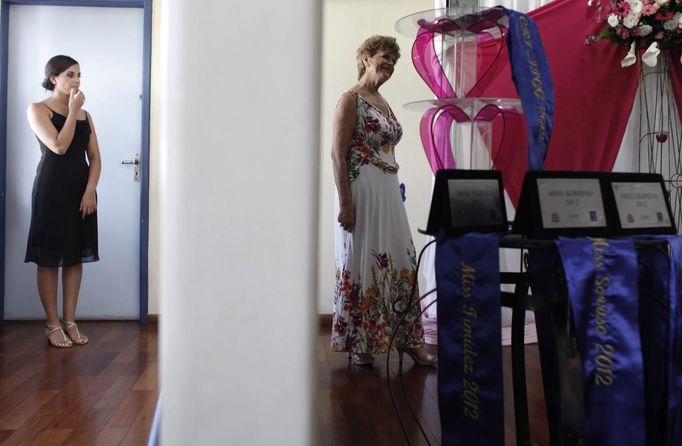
(375, 264)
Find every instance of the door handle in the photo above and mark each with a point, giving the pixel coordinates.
(136, 163)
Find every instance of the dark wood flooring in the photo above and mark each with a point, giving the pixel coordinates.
(103, 393)
(354, 403)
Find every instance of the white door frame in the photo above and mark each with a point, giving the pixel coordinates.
(144, 143)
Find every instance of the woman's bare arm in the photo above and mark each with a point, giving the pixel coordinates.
(89, 200)
(343, 125)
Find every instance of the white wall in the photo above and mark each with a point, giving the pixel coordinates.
(154, 154)
(346, 23)
(238, 160)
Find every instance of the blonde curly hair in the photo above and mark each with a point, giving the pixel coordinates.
(373, 45)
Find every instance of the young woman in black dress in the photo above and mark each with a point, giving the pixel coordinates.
(63, 232)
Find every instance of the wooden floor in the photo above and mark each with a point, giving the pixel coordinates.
(103, 393)
(354, 403)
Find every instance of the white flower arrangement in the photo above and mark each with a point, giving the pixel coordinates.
(638, 24)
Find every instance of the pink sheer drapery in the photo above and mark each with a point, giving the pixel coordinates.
(487, 38)
(506, 123)
(425, 60)
(434, 130)
(486, 43)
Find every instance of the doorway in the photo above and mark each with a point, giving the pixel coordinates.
(112, 45)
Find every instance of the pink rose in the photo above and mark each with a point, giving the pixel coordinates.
(650, 9)
(621, 8)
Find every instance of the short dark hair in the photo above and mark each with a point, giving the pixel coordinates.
(56, 66)
(373, 45)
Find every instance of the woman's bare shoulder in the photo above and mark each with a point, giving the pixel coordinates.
(350, 94)
(39, 108)
(347, 100)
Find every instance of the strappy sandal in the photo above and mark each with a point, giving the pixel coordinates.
(429, 361)
(74, 334)
(362, 359)
(50, 329)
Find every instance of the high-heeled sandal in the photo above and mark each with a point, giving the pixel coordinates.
(50, 329)
(430, 361)
(362, 359)
(74, 333)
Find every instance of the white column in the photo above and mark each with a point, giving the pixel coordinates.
(238, 159)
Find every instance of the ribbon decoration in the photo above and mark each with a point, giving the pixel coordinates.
(434, 130)
(606, 315)
(487, 29)
(470, 353)
(530, 73)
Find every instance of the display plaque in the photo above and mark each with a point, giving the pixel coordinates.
(641, 204)
(467, 201)
(570, 203)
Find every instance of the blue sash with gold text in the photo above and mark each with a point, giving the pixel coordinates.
(469, 347)
(533, 81)
(602, 288)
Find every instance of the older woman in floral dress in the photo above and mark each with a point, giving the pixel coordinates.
(375, 256)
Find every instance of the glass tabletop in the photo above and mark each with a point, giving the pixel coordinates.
(465, 19)
(470, 105)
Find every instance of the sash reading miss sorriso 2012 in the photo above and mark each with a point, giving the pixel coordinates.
(603, 293)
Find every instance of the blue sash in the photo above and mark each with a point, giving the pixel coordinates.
(675, 343)
(533, 81)
(469, 347)
(544, 262)
(603, 294)
(668, 278)
(654, 326)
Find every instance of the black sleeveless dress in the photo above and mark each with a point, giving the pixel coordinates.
(58, 236)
